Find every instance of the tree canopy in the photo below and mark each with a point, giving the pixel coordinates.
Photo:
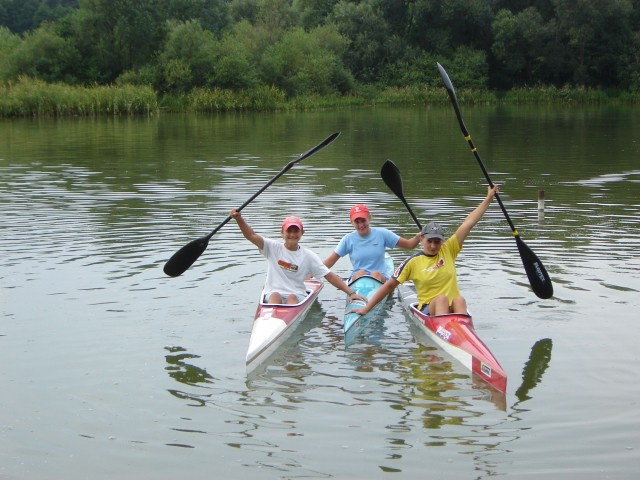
(322, 47)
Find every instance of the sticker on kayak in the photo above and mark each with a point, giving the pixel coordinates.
(443, 333)
(486, 369)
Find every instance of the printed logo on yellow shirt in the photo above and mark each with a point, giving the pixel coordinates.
(438, 265)
(292, 267)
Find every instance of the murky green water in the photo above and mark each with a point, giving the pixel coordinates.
(110, 369)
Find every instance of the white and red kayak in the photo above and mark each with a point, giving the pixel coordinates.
(274, 323)
(456, 335)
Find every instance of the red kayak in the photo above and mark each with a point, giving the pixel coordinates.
(456, 335)
(274, 323)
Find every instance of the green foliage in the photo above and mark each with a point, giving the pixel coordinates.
(324, 52)
(188, 57)
(32, 97)
(301, 64)
(9, 42)
(235, 64)
(42, 54)
(222, 100)
(21, 16)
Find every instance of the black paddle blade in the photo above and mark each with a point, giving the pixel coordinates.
(534, 368)
(184, 258)
(537, 274)
(391, 176)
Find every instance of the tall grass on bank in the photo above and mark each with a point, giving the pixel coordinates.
(220, 100)
(34, 98)
(558, 96)
(30, 97)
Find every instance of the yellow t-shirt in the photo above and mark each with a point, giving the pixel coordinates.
(435, 275)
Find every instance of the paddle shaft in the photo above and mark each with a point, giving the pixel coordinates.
(255, 195)
(187, 255)
(467, 137)
(537, 274)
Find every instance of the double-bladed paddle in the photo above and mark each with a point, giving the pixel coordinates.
(187, 255)
(537, 274)
(392, 178)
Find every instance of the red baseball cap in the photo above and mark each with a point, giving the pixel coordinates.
(292, 221)
(358, 211)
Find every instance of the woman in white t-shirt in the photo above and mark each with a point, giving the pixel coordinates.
(289, 263)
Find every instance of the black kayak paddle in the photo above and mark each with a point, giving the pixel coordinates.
(537, 274)
(187, 255)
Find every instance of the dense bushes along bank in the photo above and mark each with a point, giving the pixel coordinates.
(35, 98)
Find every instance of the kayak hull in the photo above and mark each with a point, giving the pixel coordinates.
(274, 323)
(456, 335)
(366, 286)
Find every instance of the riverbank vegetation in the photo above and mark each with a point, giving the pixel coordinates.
(89, 57)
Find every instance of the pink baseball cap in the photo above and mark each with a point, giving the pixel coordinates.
(358, 211)
(292, 221)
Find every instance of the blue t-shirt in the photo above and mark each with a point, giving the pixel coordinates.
(367, 253)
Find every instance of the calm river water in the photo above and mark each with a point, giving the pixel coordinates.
(109, 369)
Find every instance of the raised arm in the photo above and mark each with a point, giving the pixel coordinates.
(246, 229)
(474, 217)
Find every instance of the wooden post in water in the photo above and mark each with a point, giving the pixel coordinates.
(540, 205)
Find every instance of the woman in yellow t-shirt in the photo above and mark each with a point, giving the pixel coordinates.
(433, 270)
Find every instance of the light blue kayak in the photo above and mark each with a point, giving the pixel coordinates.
(366, 286)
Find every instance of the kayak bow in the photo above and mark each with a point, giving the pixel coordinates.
(455, 334)
(366, 286)
(274, 324)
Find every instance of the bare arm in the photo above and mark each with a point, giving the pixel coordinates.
(474, 217)
(246, 229)
(340, 284)
(408, 243)
(388, 287)
(331, 260)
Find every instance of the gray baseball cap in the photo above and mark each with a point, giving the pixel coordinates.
(433, 230)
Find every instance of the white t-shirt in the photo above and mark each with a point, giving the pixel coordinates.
(287, 270)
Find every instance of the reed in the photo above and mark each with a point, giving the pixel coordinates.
(30, 97)
(554, 95)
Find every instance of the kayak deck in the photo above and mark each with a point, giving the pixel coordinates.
(366, 286)
(274, 323)
(455, 334)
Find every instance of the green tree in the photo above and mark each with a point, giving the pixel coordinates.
(519, 45)
(372, 44)
(188, 56)
(212, 14)
(9, 42)
(21, 16)
(45, 55)
(301, 65)
(313, 13)
(114, 36)
(597, 32)
(235, 65)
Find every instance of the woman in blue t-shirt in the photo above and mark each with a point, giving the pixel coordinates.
(366, 246)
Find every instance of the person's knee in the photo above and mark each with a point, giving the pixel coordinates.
(358, 274)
